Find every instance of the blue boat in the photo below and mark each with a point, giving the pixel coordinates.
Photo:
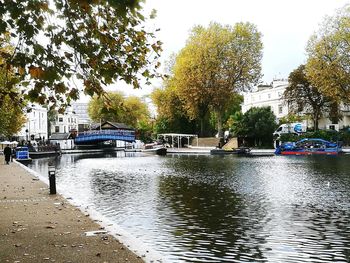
(309, 146)
(22, 154)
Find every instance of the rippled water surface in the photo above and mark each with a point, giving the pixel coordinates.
(219, 209)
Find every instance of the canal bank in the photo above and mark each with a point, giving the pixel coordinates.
(38, 227)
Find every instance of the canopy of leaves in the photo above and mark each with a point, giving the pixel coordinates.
(291, 117)
(256, 126)
(232, 109)
(11, 114)
(171, 115)
(303, 97)
(61, 42)
(216, 62)
(11, 117)
(136, 112)
(116, 108)
(167, 102)
(328, 65)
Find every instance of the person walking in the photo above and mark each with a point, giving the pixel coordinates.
(7, 153)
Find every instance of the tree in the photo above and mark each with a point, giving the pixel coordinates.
(216, 62)
(136, 112)
(167, 102)
(100, 110)
(236, 124)
(257, 125)
(301, 96)
(171, 114)
(328, 57)
(233, 107)
(11, 115)
(62, 42)
(116, 108)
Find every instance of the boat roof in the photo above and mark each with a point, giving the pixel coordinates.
(315, 140)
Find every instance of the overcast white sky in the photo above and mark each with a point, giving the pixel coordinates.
(286, 26)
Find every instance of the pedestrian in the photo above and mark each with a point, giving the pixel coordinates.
(7, 153)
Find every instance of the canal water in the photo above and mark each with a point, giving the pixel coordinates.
(199, 208)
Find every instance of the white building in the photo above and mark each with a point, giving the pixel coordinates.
(268, 95)
(64, 123)
(272, 95)
(81, 110)
(35, 127)
(64, 140)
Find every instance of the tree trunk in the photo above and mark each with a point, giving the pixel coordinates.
(220, 131)
(202, 127)
(334, 115)
(219, 119)
(316, 117)
(316, 125)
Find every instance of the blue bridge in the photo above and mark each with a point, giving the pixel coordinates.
(96, 136)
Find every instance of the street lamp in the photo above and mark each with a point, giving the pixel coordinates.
(27, 135)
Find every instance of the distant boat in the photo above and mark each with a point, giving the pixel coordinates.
(156, 150)
(242, 150)
(309, 146)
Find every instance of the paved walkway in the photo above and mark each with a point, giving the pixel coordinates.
(38, 227)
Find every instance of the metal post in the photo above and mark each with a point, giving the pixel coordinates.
(52, 181)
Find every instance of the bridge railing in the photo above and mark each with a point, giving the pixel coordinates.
(105, 135)
(108, 132)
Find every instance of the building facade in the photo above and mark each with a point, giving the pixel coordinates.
(64, 123)
(36, 126)
(84, 121)
(272, 95)
(268, 95)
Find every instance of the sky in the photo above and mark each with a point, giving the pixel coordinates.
(286, 26)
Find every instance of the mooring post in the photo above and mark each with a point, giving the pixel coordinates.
(52, 180)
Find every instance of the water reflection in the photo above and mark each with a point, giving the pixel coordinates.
(217, 209)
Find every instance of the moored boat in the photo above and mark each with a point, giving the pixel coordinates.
(22, 155)
(309, 146)
(156, 150)
(241, 150)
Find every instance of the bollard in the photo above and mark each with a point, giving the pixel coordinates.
(52, 181)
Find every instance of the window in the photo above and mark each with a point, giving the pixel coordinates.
(57, 128)
(269, 96)
(280, 109)
(60, 119)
